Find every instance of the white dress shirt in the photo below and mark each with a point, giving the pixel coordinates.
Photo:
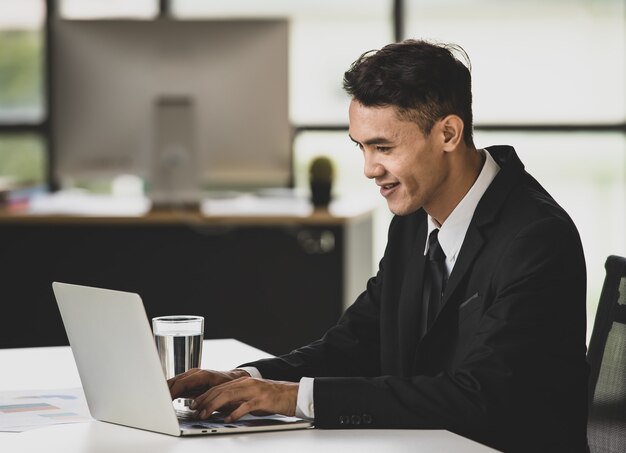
(451, 237)
(452, 232)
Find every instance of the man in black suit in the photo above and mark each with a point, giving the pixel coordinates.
(475, 321)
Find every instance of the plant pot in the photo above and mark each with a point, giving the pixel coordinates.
(320, 193)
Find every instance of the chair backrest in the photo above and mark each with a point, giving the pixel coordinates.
(606, 429)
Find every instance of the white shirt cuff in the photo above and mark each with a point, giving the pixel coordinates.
(304, 407)
(252, 371)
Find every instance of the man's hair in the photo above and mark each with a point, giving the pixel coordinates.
(423, 80)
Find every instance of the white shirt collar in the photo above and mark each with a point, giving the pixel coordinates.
(452, 232)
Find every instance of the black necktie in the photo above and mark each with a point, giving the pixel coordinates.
(435, 276)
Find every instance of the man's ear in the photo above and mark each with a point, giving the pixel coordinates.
(451, 128)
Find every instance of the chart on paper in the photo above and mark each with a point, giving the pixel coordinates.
(29, 409)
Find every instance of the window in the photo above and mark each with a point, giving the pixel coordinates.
(22, 159)
(535, 61)
(23, 109)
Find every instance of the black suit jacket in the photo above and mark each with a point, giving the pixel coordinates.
(504, 362)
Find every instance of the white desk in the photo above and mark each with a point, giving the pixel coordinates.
(50, 368)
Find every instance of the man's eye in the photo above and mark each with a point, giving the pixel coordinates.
(383, 149)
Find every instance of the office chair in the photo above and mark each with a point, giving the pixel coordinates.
(606, 427)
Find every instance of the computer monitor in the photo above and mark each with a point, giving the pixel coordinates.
(183, 104)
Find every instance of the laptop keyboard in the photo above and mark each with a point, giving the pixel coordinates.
(190, 416)
(188, 420)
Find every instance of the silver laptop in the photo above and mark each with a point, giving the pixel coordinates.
(120, 369)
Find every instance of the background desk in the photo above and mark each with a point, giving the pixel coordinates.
(276, 282)
(49, 368)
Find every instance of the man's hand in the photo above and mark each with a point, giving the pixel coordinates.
(194, 382)
(248, 395)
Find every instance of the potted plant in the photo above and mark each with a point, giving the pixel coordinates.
(321, 174)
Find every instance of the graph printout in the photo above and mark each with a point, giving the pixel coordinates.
(29, 409)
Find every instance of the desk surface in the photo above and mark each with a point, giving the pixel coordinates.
(50, 368)
(165, 217)
(72, 208)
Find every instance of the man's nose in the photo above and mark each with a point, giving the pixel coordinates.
(372, 169)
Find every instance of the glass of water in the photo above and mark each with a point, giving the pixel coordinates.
(179, 342)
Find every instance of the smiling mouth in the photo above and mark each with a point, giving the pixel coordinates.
(387, 189)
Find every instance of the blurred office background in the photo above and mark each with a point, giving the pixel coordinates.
(549, 78)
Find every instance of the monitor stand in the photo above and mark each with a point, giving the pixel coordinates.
(174, 182)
